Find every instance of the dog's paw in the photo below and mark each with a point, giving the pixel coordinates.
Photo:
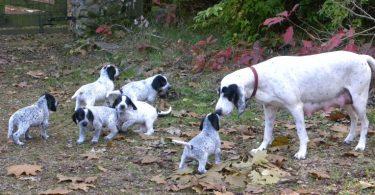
(254, 151)
(348, 140)
(300, 155)
(107, 139)
(45, 136)
(19, 143)
(80, 142)
(202, 171)
(149, 133)
(93, 142)
(360, 147)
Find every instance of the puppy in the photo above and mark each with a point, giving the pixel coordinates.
(95, 118)
(90, 93)
(131, 112)
(204, 144)
(144, 90)
(303, 85)
(31, 116)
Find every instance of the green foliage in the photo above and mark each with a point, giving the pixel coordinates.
(334, 10)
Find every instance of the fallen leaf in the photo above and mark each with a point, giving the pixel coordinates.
(63, 178)
(169, 151)
(319, 174)
(336, 116)
(22, 84)
(339, 128)
(253, 189)
(119, 137)
(149, 159)
(26, 169)
(90, 155)
(259, 157)
(223, 193)
(185, 171)
(265, 176)
(227, 145)
(212, 181)
(102, 168)
(276, 159)
(352, 154)
(236, 181)
(36, 73)
(56, 191)
(288, 191)
(189, 133)
(366, 185)
(158, 179)
(81, 186)
(174, 131)
(280, 141)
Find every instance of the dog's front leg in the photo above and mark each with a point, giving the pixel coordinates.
(113, 133)
(95, 138)
(81, 138)
(217, 156)
(202, 163)
(127, 124)
(44, 130)
(297, 112)
(269, 119)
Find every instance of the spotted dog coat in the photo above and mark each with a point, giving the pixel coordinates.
(32, 116)
(303, 85)
(95, 118)
(204, 144)
(132, 112)
(144, 90)
(90, 93)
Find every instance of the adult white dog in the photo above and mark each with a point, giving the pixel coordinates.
(303, 85)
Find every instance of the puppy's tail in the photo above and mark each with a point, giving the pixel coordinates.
(183, 143)
(164, 113)
(78, 92)
(10, 127)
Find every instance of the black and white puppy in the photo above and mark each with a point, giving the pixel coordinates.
(32, 116)
(90, 93)
(95, 118)
(132, 112)
(204, 144)
(144, 90)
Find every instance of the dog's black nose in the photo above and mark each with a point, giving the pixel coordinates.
(84, 123)
(122, 107)
(219, 112)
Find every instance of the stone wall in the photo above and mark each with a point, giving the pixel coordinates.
(89, 14)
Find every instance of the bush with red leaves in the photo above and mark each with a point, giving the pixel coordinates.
(104, 30)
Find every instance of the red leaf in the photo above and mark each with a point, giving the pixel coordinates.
(257, 53)
(245, 59)
(334, 41)
(350, 32)
(307, 48)
(283, 14)
(288, 36)
(201, 43)
(228, 52)
(199, 63)
(351, 46)
(271, 21)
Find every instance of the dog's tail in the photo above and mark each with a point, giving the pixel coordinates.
(78, 92)
(371, 62)
(10, 127)
(183, 143)
(164, 113)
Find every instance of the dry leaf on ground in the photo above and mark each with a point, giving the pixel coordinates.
(22, 84)
(352, 154)
(339, 128)
(227, 145)
(90, 155)
(102, 168)
(26, 169)
(254, 189)
(36, 73)
(366, 185)
(236, 181)
(158, 179)
(319, 174)
(288, 191)
(63, 178)
(280, 141)
(91, 179)
(149, 159)
(276, 159)
(56, 191)
(81, 186)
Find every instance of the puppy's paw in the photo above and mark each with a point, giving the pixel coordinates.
(348, 140)
(300, 155)
(360, 147)
(45, 136)
(149, 133)
(80, 142)
(202, 171)
(107, 139)
(19, 143)
(94, 142)
(254, 151)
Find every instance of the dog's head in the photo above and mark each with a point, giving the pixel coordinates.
(123, 103)
(230, 96)
(83, 117)
(161, 85)
(110, 70)
(211, 121)
(51, 102)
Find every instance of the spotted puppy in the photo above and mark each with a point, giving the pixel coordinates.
(132, 112)
(31, 116)
(204, 144)
(95, 118)
(90, 93)
(144, 90)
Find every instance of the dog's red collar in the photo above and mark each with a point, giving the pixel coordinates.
(255, 81)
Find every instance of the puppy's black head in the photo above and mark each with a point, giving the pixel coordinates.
(111, 71)
(117, 101)
(78, 115)
(213, 119)
(51, 102)
(158, 82)
(231, 93)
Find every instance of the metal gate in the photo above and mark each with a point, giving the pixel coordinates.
(31, 15)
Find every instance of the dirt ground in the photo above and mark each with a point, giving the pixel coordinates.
(33, 64)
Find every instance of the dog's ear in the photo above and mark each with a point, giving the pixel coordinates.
(214, 120)
(129, 102)
(158, 82)
(236, 95)
(78, 115)
(218, 91)
(74, 117)
(201, 125)
(117, 101)
(90, 116)
(111, 71)
(51, 101)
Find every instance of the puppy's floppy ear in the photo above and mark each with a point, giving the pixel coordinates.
(78, 115)
(90, 116)
(201, 125)
(158, 82)
(117, 101)
(51, 101)
(129, 102)
(74, 117)
(111, 71)
(214, 120)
